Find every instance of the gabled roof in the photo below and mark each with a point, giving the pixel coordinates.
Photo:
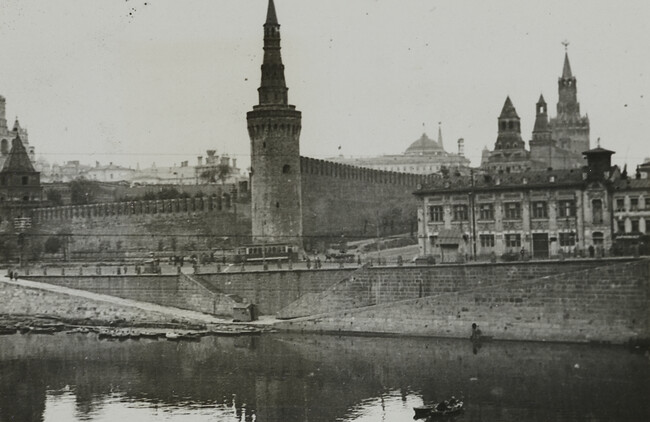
(18, 161)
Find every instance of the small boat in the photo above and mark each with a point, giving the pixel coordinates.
(446, 408)
(173, 336)
(8, 330)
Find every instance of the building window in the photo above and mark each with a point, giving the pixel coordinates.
(460, 212)
(635, 226)
(286, 169)
(25, 180)
(436, 213)
(513, 240)
(486, 212)
(487, 240)
(513, 211)
(620, 226)
(620, 204)
(433, 240)
(566, 208)
(598, 238)
(634, 204)
(540, 209)
(567, 239)
(597, 211)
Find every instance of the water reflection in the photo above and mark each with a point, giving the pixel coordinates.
(314, 378)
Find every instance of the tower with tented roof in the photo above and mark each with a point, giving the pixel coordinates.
(274, 130)
(569, 128)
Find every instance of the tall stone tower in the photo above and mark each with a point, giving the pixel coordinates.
(570, 129)
(542, 146)
(274, 129)
(509, 135)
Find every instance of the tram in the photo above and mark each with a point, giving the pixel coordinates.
(266, 252)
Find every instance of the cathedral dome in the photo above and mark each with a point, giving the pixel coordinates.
(424, 146)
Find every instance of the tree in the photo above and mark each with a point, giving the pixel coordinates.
(54, 197)
(219, 172)
(83, 191)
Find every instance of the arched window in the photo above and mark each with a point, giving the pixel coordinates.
(4, 147)
(286, 169)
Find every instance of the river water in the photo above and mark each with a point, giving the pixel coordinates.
(284, 377)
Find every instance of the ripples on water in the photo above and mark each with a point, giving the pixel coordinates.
(314, 378)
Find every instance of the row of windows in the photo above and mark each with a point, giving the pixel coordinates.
(24, 180)
(512, 211)
(634, 226)
(634, 204)
(514, 240)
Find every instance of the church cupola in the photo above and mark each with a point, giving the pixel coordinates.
(509, 129)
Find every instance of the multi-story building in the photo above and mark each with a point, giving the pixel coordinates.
(423, 156)
(540, 213)
(631, 205)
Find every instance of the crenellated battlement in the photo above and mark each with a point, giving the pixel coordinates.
(206, 204)
(318, 167)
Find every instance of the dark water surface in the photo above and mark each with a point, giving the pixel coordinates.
(281, 377)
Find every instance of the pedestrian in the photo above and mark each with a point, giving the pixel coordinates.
(476, 332)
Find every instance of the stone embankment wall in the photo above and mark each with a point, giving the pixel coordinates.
(604, 303)
(377, 285)
(18, 300)
(274, 290)
(180, 291)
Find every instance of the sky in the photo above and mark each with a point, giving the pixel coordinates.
(137, 82)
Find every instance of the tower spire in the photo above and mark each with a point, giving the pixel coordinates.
(273, 88)
(440, 135)
(271, 17)
(566, 71)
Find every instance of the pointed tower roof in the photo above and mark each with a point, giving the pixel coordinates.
(541, 121)
(566, 71)
(18, 161)
(16, 125)
(508, 110)
(271, 17)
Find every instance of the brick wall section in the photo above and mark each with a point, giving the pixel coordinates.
(341, 199)
(146, 232)
(378, 285)
(597, 304)
(16, 300)
(184, 292)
